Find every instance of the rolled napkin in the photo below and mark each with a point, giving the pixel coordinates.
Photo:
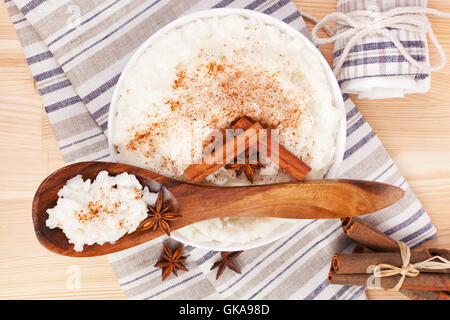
(381, 47)
(367, 236)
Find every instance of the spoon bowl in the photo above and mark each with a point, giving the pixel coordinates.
(322, 199)
(47, 195)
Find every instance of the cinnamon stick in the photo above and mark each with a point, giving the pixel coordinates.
(280, 155)
(359, 263)
(363, 233)
(225, 153)
(425, 281)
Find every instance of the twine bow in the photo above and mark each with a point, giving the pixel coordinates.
(361, 23)
(408, 269)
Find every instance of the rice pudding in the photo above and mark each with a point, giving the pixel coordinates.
(100, 211)
(200, 77)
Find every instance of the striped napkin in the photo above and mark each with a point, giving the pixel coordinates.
(375, 68)
(76, 52)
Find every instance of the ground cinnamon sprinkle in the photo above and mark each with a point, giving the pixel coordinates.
(95, 208)
(235, 89)
(173, 104)
(138, 139)
(230, 88)
(139, 193)
(213, 68)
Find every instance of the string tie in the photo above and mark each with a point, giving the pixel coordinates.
(360, 23)
(408, 269)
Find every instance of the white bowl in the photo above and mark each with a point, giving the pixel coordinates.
(337, 94)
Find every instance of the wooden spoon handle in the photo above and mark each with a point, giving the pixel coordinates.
(324, 199)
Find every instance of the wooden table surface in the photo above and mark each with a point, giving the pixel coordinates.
(415, 130)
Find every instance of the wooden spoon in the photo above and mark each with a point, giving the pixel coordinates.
(324, 199)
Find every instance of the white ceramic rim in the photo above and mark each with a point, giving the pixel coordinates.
(337, 95)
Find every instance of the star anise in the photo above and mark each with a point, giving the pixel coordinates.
(247, 167)
(171, 261)
(159, 216)
(226, 262)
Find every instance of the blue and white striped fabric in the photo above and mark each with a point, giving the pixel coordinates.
(76, 52)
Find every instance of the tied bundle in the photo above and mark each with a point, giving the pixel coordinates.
(383, 263)
(380, 47)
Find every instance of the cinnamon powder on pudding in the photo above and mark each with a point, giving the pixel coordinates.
(227, 88)
(96, 208)
(235, 89)
(100, 211)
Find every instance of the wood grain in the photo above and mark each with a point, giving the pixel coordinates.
(415, 130)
